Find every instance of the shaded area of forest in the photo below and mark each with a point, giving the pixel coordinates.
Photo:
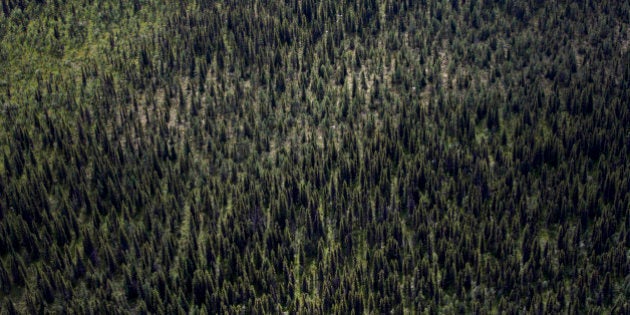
(314, 156)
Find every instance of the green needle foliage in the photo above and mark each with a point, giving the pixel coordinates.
(314, 157)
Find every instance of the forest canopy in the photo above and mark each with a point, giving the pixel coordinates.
(314, 157)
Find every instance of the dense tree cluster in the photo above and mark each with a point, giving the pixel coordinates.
(314, 156)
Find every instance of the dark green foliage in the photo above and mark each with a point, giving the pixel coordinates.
(314, 157)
